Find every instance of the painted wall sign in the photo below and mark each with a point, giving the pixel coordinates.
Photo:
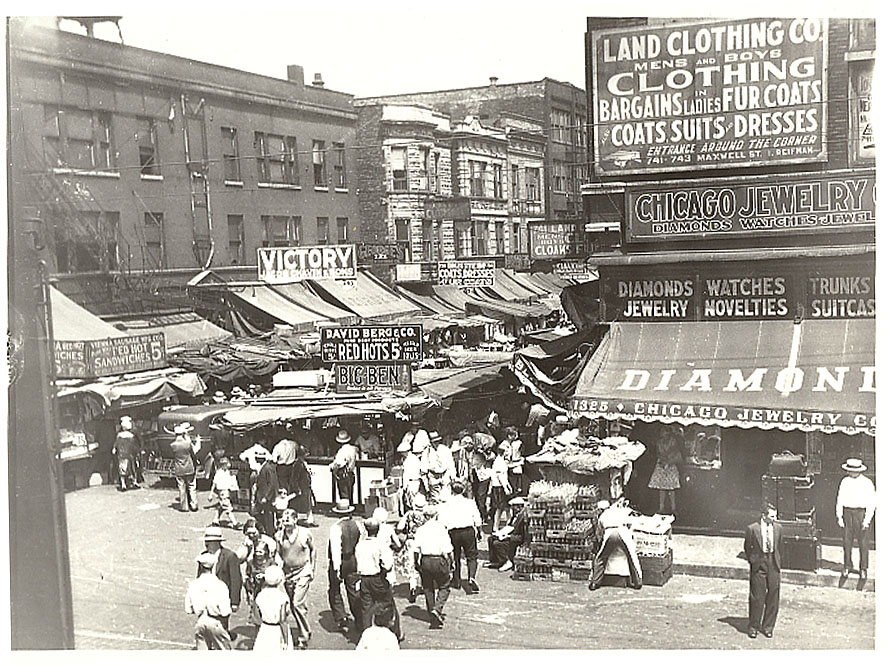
(378, 253)
(556, 240)
(280, 265)
(466, 273)
(573, 270)
(720, 94)
(111, 356)
(409, 272)
(780, 205)
(352, 378)
(372, 344)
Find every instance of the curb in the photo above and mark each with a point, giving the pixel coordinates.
(807, 578)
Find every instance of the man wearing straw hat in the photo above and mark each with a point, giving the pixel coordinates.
(343, 466)
(502, 544)
(208, 598)
(855, 509)
(185, 467)
(342, 567)
(126, 446)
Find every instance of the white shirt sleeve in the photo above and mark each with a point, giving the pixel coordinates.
(336, 545)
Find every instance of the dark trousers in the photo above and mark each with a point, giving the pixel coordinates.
(352, 582)
(464, 541)
(763, 595)
(480, 492)
(265, 516)
(435, 576)
(501, 550)
(285, 474)
(853, 530)
(344, 481)
(376, 595)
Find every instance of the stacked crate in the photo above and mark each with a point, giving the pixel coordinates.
(382, 493)
(793, 497)
(655, 554)
(562, 538)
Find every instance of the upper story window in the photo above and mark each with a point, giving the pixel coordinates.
(498, 181)
(425, 168)
(231, 158)
(77, 139)
(532, 184)
(342, 229)
(276, 157)
(322, 224)
(434, 172)
(862, 141)
(515, 183)
(153, 231)
(147, 138)
(319, 163)
(478, 172)
(281, 230)
(560, 126)
(339, 165)
(398, 158)
(559, 177)
(236, 239)
(86, 241)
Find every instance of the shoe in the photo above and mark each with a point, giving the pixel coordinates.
(506, 566)
(752, 633)
(768, 633)
(473, 586)
(194, 508)
(845, 573)
(863, 574)
(412, 595)
(436, 620)
(592, 586)
(343, 625)
(302, 644)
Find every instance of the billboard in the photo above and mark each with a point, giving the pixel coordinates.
(556, 240)
(353, 377)
(466, 273)
(367, 344)
(721, 94)
(811, 203)
(280, 265)
(111, 356)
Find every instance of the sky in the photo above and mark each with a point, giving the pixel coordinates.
(381, 47)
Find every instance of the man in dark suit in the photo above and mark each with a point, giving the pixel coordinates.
(266, 492)
(762, 542)
(227, 567)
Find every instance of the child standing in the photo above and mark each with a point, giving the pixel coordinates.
(224, 484)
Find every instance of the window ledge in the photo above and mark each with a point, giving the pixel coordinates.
(279, 186)
(321, 188)
(342, 190)
(151, 176)
(233, 183)
(859, 55)
(85, 172)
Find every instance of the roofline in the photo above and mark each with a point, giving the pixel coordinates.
(483, 87)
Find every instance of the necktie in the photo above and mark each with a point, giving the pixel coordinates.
(769, 538)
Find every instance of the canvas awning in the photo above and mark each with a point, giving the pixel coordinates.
(446, 383)
(813, 375)
(429, 302)
(278, 307)
(181, 330)
(71, 322)
(139, 388)
(367, 297)
(299, 293)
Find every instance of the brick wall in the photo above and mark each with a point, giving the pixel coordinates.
(371, 167)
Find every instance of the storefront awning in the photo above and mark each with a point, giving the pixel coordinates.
(428, 302)
(71, 322)
(276, 306)
(814, 375)
(180, 330)
(368, 297)
(446, 383)
(299, 293)
(139, 388)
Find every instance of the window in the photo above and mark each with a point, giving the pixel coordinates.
(399, 160)
(281, 230)
(147, 137)
(477, 178)
(86, 241)
(560, 126)
(424, 168)
(153, 231)
(559, 176)
(516, 185)
(499, 247)
(77, 139)
(862, 117)
(434, 173)
(532, 184)
(319, 164)
(339, 165)
(236, 239)
(517, 238)
(321, 224)
(403, 239)
(427, 240)
(276, 157)
(498, 181)
(580, 131)
(231, 160)
(480, 238)
(342, 229)
(464, 239)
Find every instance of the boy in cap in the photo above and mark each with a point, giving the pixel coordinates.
(855, 509)
(224, 484)
(208, 598)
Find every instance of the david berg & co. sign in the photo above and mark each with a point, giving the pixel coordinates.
(720, 94)
(779, 205)
(111, 356)
(372, 344)
(280, 265)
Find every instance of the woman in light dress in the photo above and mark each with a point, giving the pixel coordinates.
(272, 606)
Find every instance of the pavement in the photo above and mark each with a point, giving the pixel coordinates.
(132, 557)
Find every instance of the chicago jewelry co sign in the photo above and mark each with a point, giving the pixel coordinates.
(372, 357)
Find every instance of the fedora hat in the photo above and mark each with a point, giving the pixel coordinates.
(213, 533)
(854, 465)
(343, 506)
(343, 437)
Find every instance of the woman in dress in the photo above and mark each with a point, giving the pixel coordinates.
(666, 475)
(258, 551)
(404, 560)
(272, 604)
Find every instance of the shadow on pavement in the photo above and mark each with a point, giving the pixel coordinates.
(740, 624)
(326, 621)
(416, 613)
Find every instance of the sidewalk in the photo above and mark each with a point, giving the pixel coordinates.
(718, 557)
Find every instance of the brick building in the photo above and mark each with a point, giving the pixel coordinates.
(149, 167)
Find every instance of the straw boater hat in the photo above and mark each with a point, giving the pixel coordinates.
(562, 418)
(273, 575)
(343, 437)
(126, 422)
(343, 506)
(435, 437)
(213, 533)
(183, 428)
(854, 465)
(518, 501)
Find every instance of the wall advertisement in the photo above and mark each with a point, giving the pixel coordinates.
(354, 378)
(466, 273)
(372, 344)
(721, 94)
(111, 356)
(280, 265)
(556, 240)
(812, 203)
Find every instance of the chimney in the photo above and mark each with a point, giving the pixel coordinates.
(317, 81)
(492, 81)
(295, 74)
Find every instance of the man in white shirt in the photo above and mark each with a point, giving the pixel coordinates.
(460, 516)
(343, 466)
(374, 561)
(434, 559)
(208, 598)
(855, 509)
(285, 455)
(762, 543)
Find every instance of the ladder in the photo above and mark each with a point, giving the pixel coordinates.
(194, 140)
